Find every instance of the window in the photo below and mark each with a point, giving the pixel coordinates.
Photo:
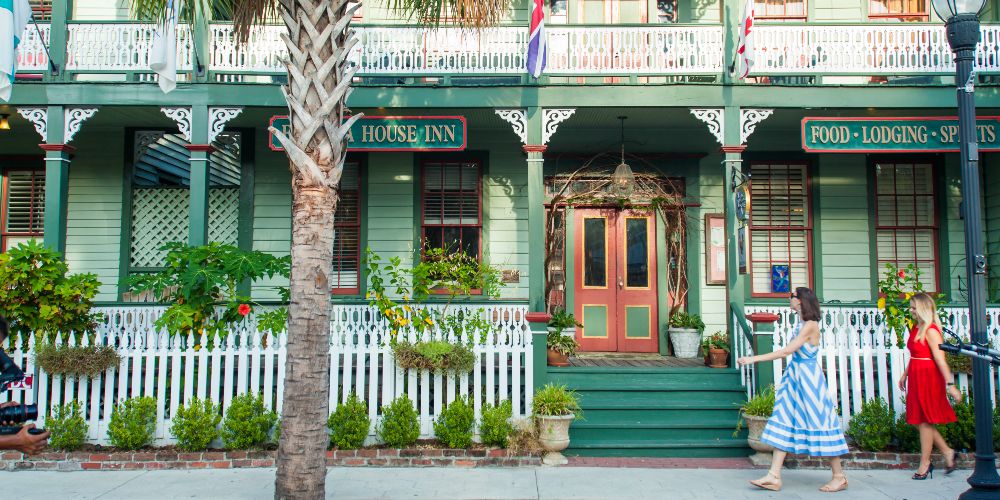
(41, 10)
(779, 9)
(346, 277)
(22, 214)
(666, 11)
(780, 228)
(898, 10)
(557, 12)
(452, 206)
(906, 219)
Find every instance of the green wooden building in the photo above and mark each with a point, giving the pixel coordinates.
(838, 147)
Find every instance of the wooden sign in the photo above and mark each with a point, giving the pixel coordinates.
(894, 134)
(395, 133)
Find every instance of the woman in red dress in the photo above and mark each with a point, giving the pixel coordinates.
(925, 380)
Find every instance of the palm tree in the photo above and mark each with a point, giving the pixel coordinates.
(318, 40)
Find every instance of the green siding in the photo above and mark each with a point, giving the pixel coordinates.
(708, 189)
(506, 241)
(391, 196)
(842, 240)
(838, 10)
(952, 230)
(272, 209)
(94, 210)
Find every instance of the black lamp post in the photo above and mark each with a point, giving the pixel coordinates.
(962, 24)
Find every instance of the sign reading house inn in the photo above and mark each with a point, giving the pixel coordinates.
(893, 134)
(395, 133)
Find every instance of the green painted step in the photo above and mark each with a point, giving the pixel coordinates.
(690, 416)
(651, 448)
(642, 377)
(657, 401)
(655, 432)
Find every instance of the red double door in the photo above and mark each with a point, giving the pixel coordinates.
(615, 276)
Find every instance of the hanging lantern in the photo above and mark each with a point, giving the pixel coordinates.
(623, 180)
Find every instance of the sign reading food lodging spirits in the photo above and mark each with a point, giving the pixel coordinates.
(395, 133)
(894, 134)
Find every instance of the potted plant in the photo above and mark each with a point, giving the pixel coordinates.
(684, 331)
(564, 323)
(554, 408)
(755, 413)
(560, 348)
(718, 350)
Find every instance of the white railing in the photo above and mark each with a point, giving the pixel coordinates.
(742, 347)
(882, 49)
(31, 55)
(860, 360)
(173, 371)
(120, 47)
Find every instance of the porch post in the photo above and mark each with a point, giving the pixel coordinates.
(58, 36)
(763, 343)
(201, 149)
(535, 148)
(539, 322)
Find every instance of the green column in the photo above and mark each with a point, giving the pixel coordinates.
(200, 152)
(57, 39)
(57, 158)
(539, 331)
(536, 211)
(733, 172)
(202, 46)
(763, 343)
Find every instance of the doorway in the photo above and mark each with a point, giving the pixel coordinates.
(615, 283)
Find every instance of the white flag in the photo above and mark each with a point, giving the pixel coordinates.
(745, 46)
(163, 51)
(14, 16)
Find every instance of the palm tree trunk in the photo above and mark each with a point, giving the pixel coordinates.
(318, 41)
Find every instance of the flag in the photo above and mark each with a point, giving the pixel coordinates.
(14, 16)
(745, 46)
(536, 40)
(163, 50)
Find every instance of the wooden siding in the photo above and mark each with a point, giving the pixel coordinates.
(391, 206)
(506, 217)
(708, 190)
(272, 208)
(94, 209)
(838, 10)
(842, 241)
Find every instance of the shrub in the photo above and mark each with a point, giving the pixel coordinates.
(399, 426)
(961, 434)
(133, 423)
(247, 424)
(349, 424)
(907, 436)
(681, 319)
(68, 428)
(872, 428)
(196, 425)
(555, 400)
(434, 355)
(524, 439)
(454, 425)
(495, 427)
(75, 361)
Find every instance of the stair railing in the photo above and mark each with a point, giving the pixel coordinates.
(742, 339)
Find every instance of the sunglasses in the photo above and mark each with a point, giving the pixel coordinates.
(793, 296)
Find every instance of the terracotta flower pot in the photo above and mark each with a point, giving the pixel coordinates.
(755, 428)
(553, 435)
(556, 358)
(718, 358)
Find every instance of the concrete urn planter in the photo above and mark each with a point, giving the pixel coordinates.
(553, 434)
(755, 428)
(685, 341)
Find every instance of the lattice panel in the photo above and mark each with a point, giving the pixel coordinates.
(159, 216)
(224, 215)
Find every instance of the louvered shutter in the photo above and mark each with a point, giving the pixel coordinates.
(452, 206)
(347, 233)
(780, 225)
(24, 206)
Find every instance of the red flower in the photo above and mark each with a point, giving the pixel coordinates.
(244, 309)
(901, 275)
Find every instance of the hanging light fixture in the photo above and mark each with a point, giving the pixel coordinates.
(4, 124)
(623, 180)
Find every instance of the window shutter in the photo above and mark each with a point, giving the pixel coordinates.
(347, 232)
(779, 224)
(25, 208)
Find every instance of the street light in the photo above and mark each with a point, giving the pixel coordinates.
(962, 25)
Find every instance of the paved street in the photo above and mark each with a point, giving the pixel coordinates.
(493, 483)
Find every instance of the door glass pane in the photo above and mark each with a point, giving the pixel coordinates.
(595, 252)
(637, 252)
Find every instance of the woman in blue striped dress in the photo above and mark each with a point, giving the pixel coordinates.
(805, 420)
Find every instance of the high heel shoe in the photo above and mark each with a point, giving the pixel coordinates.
(920, 477)
(948, 469)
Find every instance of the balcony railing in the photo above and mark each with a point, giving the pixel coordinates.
(653, 50)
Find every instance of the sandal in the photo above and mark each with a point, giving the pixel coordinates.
(827, 488)
(765, 483)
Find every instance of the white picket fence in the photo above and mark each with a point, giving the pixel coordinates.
(861, 361)
(173, 371)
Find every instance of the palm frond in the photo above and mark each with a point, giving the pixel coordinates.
(245, 14)
(464, 13)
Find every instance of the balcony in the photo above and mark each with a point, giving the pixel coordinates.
(403, 54)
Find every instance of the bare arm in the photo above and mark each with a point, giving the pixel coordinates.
(24, 442)
(933, 338)
(808, 331)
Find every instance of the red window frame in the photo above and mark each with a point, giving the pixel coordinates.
(5, 193)
(340, 223)
(807, 229)
(897, 228)
(426, 193)
(785, 16)
(901, 15)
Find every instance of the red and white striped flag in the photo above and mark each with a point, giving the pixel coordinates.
(745, 46)
(536, 40)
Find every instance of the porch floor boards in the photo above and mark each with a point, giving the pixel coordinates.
(632, 359)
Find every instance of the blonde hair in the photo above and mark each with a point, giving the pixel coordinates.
(926, 315)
